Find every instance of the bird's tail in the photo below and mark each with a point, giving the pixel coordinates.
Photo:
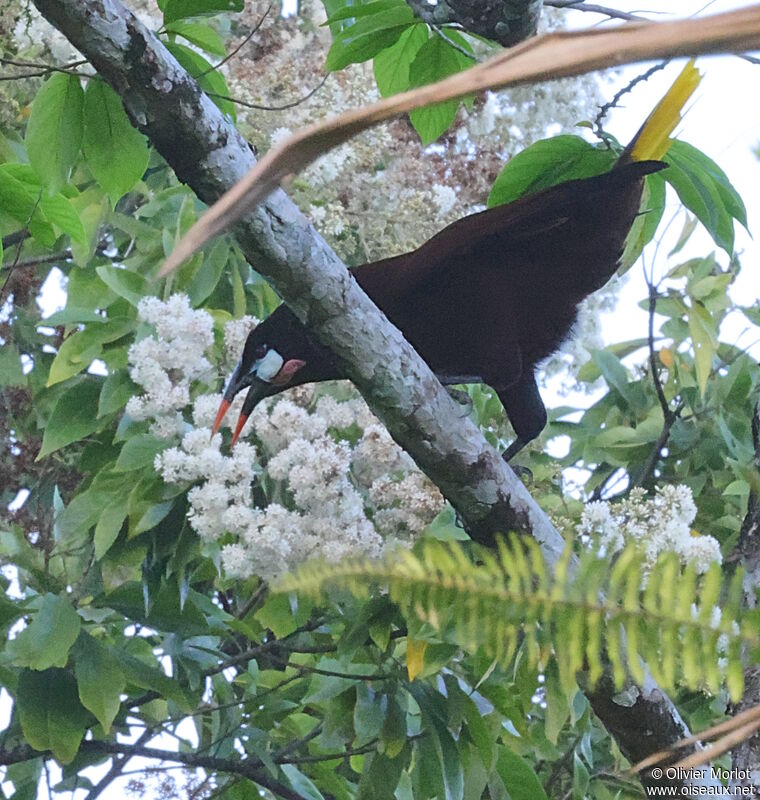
(653, 138)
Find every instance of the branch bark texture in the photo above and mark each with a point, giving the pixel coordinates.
(208, 154)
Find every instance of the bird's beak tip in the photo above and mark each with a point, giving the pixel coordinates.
(223, 408)
(242, 419)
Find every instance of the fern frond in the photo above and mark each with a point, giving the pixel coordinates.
(582, 617)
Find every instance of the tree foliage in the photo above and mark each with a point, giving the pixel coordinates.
(460, 682)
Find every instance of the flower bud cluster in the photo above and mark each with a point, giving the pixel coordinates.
(656, 524)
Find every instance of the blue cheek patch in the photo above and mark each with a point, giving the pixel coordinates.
(268, 367)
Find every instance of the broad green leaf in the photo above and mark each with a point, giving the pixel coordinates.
(23, 204)
(73, 418)
(153, 678)
(11, 373)
(547, 163)
(277, 615)
(109, 525)
(140, 451)
(181, 9)
(645, 225)
(54, 132)
(203, 36)
(50, 713)
(368, 36)
(76, 353)
(208, 272)
(127, 284)
(117, 389)
(359, 10)
(115, 151)
(100, 679)
(391, 66)
(85, 290)
(46, 641)
(705, 340)
(518, 777)
(436, 59)
(56, 208)
(302, 785)
(210, 80)
(616, 376)
(706, 191)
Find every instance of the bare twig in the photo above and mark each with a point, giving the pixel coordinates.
(242, 44)
(259, 107)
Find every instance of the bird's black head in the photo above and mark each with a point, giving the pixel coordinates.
(278, 354)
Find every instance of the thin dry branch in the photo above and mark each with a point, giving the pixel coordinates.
(548, 57)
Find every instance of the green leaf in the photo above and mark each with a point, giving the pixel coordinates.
(140, 451)
(109, 525)
(77, 352)
(616, 376)
(115, 151)
(22, 203)
(50, 713)
(302, 785)
(54, 132)
(705, 340)
(706, 191)
(11, 373)
(203, 36)
(127, 284)
(518, 777)
(436, 59)
(277, 615)
(180, 9)
(645, 225)
(46, 641)
(56, 208)
(145, 676)
(547, 163)
(210, 80)
(357, 11)
(391, 66)
(368, 36)
(73, 418)
(117, 389)
(208, 273)
(100, 679)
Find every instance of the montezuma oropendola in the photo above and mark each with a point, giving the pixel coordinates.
(493, 294)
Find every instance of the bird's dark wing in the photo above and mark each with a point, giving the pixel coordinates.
(598, 209)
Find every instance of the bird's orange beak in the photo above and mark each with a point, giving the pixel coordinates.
(242, 419)
(223, 409)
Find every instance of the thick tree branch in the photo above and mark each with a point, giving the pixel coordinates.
(208, 154)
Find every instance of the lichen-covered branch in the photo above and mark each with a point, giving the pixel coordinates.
(209, 155)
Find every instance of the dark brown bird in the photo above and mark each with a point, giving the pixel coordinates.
(490, 296)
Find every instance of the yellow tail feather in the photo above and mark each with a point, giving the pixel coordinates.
(653, 139)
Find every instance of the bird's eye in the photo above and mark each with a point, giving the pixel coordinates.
(261, 351)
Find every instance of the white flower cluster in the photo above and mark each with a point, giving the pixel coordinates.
(164, 365)
(337, 484)
(329, 498)
(656, 524)
(235, 333)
